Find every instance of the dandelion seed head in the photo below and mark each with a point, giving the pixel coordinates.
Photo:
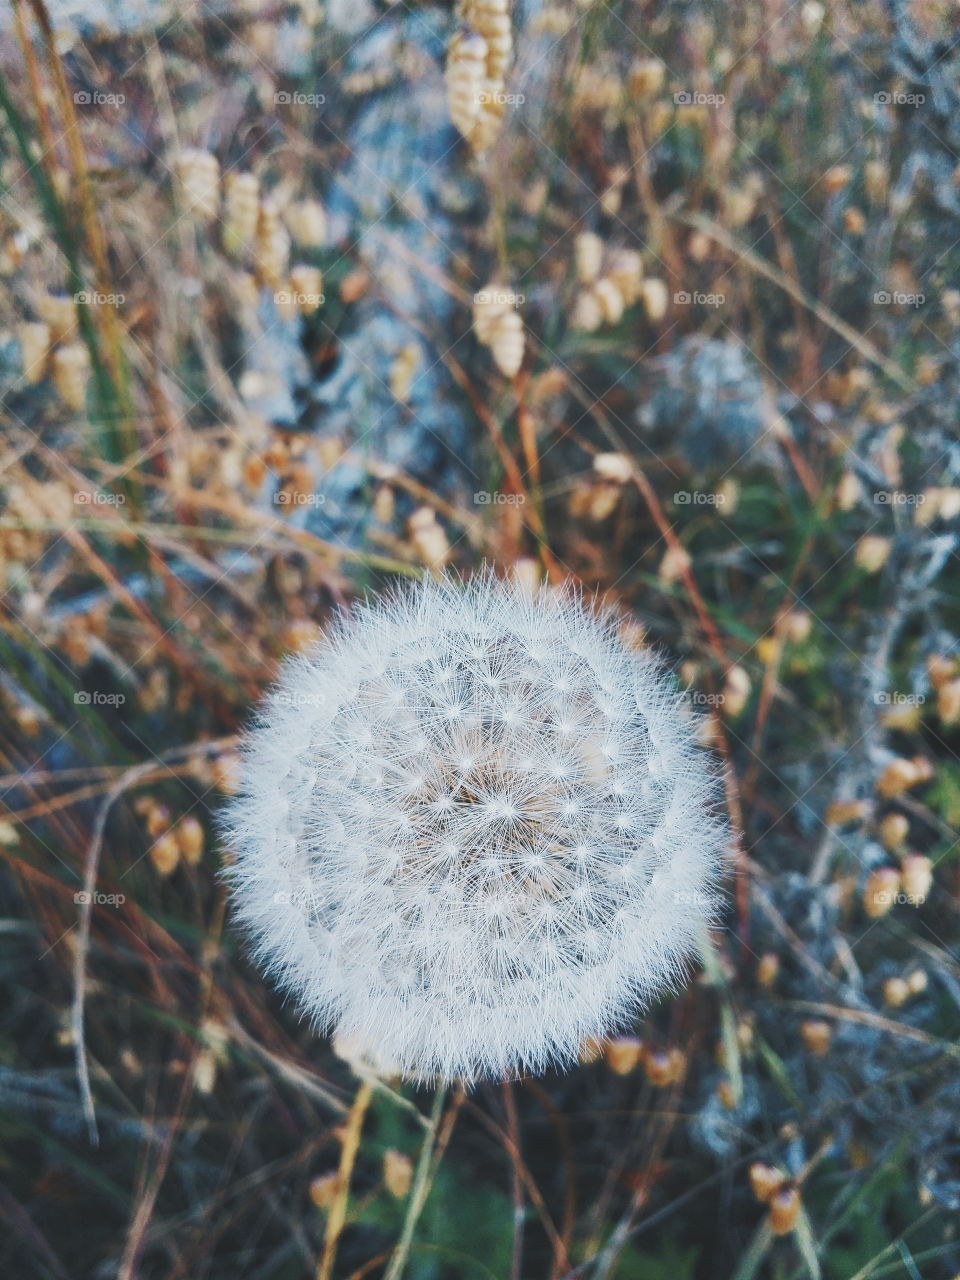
(485, 837)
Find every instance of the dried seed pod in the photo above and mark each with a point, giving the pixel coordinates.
(880, 891)
(784, 1210)
(768, 967)
(655, 298)
(466, 75)
(489, 306)
(841, 812)
(646, 77)
(736, 692)
(428, 537)
(613, 466)
(625, 270)
(916, 876)
(610, 300)
(816, 1035)
(765, 1181)
(189, 834)
(917, 981)
(872, 552)
(836, 178)
(588, 255)
(198, 175)
(307, 223)
(60, 313)
(898, 776)
(70, 369)
(507, 343)
(306, 288)
(487, 126)
(948, 702)
(271, 246)
(894, 830)
(587, 314)
(165, 854)
(241, 210)
(675, 563)
(623, 1054)
(402, 372)
(323, 1190)
(491, 20)
(896, 992)
(35, 346)
(397, 1173)
(664, 1067)
(876, 180)
(848, 492)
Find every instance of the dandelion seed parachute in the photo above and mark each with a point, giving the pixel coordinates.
(474, 830)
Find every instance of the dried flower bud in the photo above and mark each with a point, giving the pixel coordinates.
(609, 299)
(307, 223)
(917, 981)
(165, 854)
(323, 1189)
(189, 834)
(646, 77)
(428, 537)
(198, 175)
(623, 1054)
(880, 891)
(895, 992)
(948, 703)
(836, 178)
(894, 830)
(675, 563)
(588, 254)
(306, 286)
(841, 812)
(898, 776)
(402, 372)
(35, 345)
(816, 1035)
(70, 369)
(768, 967)
(916, 875)
(736, 692)
(466, 75)
(784, 1210)
(664, 1067)
(872, 552)
(613, 466)
(60, 313)
(507, 343)
(655, 297)
(587, 314)
(849, 491)
(397, 1173)
(271, 246)
(241, 210)
(765, 1181)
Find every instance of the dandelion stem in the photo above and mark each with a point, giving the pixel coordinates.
(418, 1191)
(348, 1156)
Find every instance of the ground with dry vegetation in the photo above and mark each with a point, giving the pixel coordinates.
(658, 297)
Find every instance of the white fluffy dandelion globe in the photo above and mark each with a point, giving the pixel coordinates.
(473, 830)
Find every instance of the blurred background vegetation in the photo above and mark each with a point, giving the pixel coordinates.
(247, 373)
